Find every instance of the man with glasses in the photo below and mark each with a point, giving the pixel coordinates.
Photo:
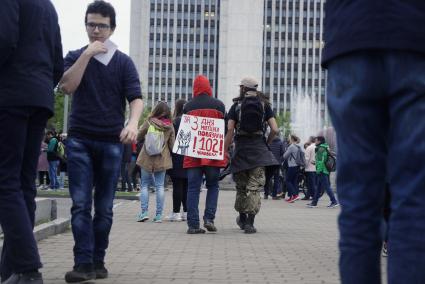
(96, 131)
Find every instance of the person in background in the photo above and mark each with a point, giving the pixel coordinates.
(274, 172)
(178, 174)
(43, 168)
(53, 158)
(248, 118)
(134, 169)
(293, 169)
(203, 104)
(63, 168)
(31, 64)
(322, 153)
(125, 163)
(155, 164)
(310, 168)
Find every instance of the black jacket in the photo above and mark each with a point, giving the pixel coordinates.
(177, 171)
(31, 62)
(373, 24)
(277, 149)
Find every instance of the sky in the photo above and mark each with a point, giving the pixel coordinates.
(71, 20)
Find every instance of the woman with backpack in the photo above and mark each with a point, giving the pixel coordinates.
(178, 174)
(155, 157)
(290, 156)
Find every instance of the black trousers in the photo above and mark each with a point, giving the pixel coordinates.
(21, 132)
(125, 179)
(179, 194)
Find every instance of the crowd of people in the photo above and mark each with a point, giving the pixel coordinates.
(375, 97)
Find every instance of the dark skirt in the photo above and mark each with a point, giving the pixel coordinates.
(251, 152)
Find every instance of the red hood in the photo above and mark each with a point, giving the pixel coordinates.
(201, 85)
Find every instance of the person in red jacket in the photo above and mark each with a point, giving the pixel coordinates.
(204, 105)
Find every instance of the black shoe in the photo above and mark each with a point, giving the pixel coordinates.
(249, 227)
(195, 231)
(209, 225)
(25, 278)
(241, 220)
(80, 273)
(276, 198)
(100, 270)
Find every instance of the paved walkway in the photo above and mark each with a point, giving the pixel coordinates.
(294, 244)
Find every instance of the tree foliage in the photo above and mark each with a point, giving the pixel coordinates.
(283, 120)
(56, 122)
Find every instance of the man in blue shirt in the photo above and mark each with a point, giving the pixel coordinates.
(375, 55)
(95, 137)
(31, 65)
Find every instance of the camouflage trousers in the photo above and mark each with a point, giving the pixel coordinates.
(249, 183)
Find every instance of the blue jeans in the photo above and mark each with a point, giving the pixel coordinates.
(146, 179)
(377, 104)
(311, 183)
(92, 164)
(292, 180)
(323, 184)
(53, 174)
(195, 176)
(21, 132)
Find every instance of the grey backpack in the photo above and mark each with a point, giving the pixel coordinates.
(154, 141)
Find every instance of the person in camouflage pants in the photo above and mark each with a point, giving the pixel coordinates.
(251, 153)
(248, 186)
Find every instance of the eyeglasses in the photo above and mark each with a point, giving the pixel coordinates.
(101, 27)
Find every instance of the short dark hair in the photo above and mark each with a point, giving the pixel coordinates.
(103, 8)
(321, 139)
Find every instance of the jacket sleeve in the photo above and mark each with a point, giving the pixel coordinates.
(9, 28)
(142, 131)
(58, 67)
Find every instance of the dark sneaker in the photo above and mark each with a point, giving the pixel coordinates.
(195, 231)
(311, 205)
(80, 273)
(209, 225)
(276, 198)
(25, 278)
(100, 270)
(333, 205)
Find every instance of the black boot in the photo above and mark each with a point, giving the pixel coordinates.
(241, 220)
(249, 227)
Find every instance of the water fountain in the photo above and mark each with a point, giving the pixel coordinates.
(305, 116)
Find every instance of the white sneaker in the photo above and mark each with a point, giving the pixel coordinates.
(184, 216)
(175, 217)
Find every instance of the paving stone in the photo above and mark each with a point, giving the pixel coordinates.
(294, 244)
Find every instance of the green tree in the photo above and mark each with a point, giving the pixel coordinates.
(284, 123)
(56, 122)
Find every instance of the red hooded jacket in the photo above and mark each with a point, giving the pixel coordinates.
(204, 105)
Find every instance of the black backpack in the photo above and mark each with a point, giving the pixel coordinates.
(330, 163)
(251, 115)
